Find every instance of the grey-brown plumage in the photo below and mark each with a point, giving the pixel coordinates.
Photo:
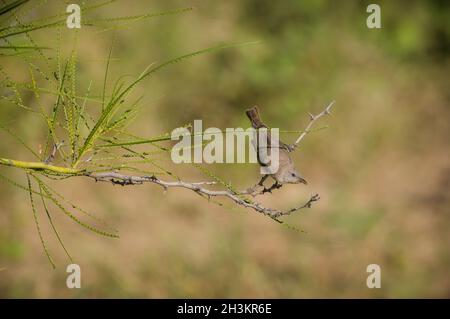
(286, 172)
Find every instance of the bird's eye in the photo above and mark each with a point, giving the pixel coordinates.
(293, 175)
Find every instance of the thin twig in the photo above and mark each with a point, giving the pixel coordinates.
(308, 204)
(312, 119)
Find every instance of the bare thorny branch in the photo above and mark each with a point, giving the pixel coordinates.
(312, 119)
(121, 179)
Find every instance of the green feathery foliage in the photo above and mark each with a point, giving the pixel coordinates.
(77, 141)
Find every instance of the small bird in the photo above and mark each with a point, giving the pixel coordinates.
(286, 173)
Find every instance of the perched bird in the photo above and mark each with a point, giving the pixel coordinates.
(286, 172)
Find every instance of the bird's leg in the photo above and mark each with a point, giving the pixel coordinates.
(261, 182)
(251, 190)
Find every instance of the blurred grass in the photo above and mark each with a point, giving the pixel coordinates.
(381, 168)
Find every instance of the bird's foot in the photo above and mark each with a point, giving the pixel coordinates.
(271, 188)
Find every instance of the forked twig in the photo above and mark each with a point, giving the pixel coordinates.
(312, 119)
(51, 156)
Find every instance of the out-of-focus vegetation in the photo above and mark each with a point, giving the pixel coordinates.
(382, 167)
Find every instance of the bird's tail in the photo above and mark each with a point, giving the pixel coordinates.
(253, 115)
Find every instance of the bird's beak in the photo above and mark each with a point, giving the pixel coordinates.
(302, 180)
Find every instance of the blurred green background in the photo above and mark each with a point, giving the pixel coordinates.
(382, 167)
